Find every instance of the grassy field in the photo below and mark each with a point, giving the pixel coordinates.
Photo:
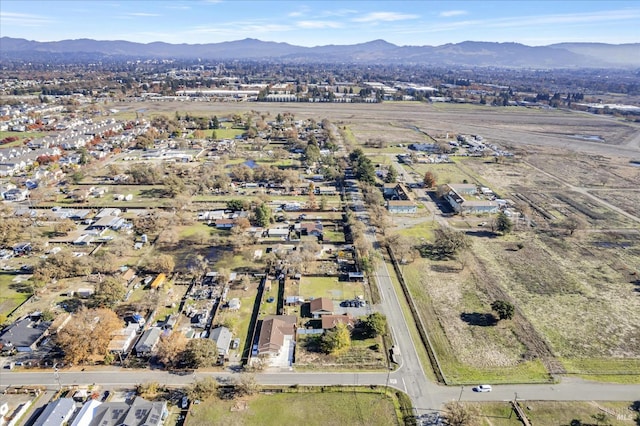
(321, 409)
(225, 133)
(559, 413)
(329, 287)
(21, 137)
(11, 295)
(451, 307)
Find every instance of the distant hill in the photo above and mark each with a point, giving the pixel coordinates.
(468, 53)
(623, 54)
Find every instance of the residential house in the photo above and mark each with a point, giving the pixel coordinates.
(86, 413)
(401, 207)
(311, 228)
(108, 222)
(140, 412)
(464, 188)
(24, 334)
(321, 306)
(276, 332)
(56, 413)
(225, 223)
(222, 336)
(148, 342)
(455, 196)
(278, 232)
(122, 339)
(331, 321)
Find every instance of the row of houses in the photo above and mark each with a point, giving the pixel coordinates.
(138, 412)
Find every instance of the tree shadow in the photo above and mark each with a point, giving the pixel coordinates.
(431, 252)
(447, 269)
(152, 193)
(479, 319)
(482, 234)
(21, 287)
(71, 305)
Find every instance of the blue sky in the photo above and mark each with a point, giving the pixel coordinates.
(313, 23)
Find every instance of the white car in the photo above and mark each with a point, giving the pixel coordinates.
(482, 388)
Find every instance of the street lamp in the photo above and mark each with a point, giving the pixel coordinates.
(461, 390)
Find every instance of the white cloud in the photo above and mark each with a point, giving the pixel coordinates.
(143, 14)
(318, 24)
(452, 13)
(385, 17)
(23, 19)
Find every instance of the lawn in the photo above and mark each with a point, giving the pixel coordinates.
(329, 287)
(11, 294)
(605, 369)
(310, 409)
(445, 173)
(21, 135)
(224, 133)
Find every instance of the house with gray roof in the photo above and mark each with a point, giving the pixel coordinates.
(222, 336)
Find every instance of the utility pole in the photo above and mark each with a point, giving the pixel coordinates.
(461, 390)
(56, 376)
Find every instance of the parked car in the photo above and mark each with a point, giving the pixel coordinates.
(482, 388)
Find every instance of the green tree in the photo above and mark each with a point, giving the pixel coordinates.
(504, 309)
(215, 123)
(375, 324)
(262, 215)
(392, 175)
(449, 242)
(173, 185)
(503, 223)
(201, 353)
(323, 202)
(236, 205)
(365, 171)
(336, 341)
(311, 153)
(109, 292)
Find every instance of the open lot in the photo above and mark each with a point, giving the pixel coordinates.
(327, 408)
(13, 292)
(547, 413)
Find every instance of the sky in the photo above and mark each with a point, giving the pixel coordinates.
(317, 23)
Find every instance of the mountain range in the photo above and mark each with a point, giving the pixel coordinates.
(468, 53)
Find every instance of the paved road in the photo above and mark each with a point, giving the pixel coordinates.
(430, 396)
